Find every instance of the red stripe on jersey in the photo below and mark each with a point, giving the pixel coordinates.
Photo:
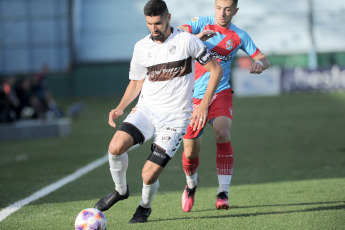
(189, 27)
(209, 27)
(229, 43)
(199, 70)
(257, 51)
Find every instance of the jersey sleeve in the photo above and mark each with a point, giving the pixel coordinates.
(137, 71)
(248, 45)
(195, 26)
(199, 51)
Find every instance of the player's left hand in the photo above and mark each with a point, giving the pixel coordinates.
(256, 68)
(206, 34)
(199, 118)
(115, 113)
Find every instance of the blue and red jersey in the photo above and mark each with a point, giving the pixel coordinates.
(223, 47)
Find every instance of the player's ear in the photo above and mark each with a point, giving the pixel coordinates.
(236, 10)
(169, 17)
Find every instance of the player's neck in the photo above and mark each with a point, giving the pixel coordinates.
(225, 26)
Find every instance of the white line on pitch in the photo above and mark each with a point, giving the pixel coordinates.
(51, 188)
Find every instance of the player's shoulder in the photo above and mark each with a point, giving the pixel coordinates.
(183, 34)
(238, 30)
(145, 39)
(142, 42)
(208, 20)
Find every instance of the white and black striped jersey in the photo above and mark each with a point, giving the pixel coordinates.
(168, 69)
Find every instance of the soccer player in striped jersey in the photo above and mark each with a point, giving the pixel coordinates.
(223, 39)
(162, 72)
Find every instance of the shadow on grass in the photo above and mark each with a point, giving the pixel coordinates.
(316, 209)
(278, 205)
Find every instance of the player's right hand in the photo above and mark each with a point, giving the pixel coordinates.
(115, 113)
(206, 34)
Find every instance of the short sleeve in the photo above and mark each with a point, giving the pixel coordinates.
(199, 51)
(137, 71)
(197, 24)
(248, 45)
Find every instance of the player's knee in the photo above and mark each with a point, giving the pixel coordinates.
(149, 177)
(191, 148)
(191, 154)
(116, 148)
(222, 136)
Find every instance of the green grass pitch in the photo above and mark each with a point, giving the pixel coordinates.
(289, 171)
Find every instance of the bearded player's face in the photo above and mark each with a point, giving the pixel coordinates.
(159, 27)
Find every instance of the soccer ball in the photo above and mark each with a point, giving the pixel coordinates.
(90, 219)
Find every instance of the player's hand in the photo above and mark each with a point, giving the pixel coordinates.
(206, 34)
(115, 113)
(199, 118)
(256, 68)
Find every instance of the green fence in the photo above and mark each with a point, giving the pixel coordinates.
(111, 79)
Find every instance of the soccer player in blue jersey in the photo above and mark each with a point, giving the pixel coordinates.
(223, 39)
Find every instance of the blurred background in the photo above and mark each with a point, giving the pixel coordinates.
(64, 64)
(52, 49)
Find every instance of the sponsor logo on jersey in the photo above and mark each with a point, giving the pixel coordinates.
(169, 70)
(221, 57)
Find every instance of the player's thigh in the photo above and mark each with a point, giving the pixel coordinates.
(170, 132)
(140, 119)
(135, 130)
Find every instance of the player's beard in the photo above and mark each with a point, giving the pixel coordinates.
(160, 37)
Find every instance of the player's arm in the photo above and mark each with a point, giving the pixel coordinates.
(260, 64)
(203, 35)
(133, 89)
(200, 112)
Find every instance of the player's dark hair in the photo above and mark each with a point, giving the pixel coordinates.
(234, 2)
(155, 8)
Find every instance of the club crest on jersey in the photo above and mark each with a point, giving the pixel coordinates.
(195, 19)
(229, 45)
(172, 49)
(149, 55)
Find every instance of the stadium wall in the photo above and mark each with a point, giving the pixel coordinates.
(111, 79)
(91, 80)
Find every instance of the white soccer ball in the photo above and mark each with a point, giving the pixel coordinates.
(90, 219)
